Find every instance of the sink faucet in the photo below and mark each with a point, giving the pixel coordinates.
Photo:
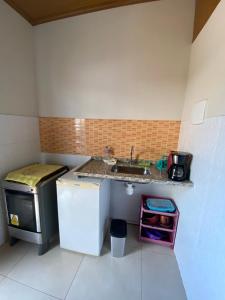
(131, 154)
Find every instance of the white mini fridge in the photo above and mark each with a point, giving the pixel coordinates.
(83, 210)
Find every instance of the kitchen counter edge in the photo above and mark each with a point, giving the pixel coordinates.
(98, 169)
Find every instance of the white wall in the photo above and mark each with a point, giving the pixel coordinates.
(200, 244)
(17, 77)
(68, 160)
(207, 72)
(19, 136)
(128, 62)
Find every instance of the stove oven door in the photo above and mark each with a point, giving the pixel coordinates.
(23, 210)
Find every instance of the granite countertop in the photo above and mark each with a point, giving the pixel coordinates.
(98, 169)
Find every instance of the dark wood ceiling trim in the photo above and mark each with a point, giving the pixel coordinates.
(78, 11)
(88, 9)
(20, 11)
(203, 11)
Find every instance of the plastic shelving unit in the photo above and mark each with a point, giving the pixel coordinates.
(169, 240)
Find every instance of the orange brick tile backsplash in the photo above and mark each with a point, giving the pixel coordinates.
(151, 139)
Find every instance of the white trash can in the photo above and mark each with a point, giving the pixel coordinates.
(118, 233)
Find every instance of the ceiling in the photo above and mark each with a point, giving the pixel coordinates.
(41, 11)
(203, 11)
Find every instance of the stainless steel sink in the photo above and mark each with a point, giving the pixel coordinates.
(130, 170)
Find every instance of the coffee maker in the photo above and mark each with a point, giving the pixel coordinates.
(179, 165)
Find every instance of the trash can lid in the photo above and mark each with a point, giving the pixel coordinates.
(118, 228)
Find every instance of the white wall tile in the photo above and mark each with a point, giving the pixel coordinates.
(200, 243)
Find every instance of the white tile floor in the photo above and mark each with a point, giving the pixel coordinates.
(146, 272)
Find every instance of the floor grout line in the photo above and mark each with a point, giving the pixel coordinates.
(142, 247)
(4, 277)
(17, 262)
(23, 284)
(75, 275)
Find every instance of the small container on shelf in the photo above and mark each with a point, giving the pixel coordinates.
(165, 221)
(150, 219)
(158, 220)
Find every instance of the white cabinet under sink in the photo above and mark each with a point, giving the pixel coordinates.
(83, 210)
